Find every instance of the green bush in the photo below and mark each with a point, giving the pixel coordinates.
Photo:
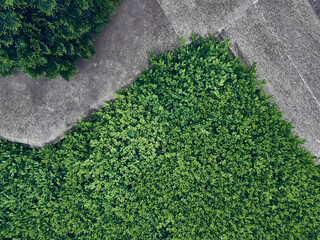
(192, 150)
(45, 38)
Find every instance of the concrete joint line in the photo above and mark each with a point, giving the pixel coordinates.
(168, 19)
(255, 2)
(240, 15)
(224, 26)
(295, 67)
(290, 59)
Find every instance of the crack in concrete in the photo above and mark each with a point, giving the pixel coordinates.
(296, 68)
(168, 19)
(237, 17)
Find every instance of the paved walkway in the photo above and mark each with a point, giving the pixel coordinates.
(281, 36)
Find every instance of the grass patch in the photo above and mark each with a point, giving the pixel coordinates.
(192, 150)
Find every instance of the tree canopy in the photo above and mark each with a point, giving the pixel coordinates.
(45, 38)
(192, 150)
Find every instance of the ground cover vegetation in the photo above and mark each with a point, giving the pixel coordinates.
(45, 38)
(192, 150)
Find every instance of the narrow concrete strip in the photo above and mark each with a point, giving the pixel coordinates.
(44, 110)
(253, 41)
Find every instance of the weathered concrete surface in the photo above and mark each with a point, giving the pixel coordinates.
(38, 112)
(17, 116)
(282, 36)
(297, 28)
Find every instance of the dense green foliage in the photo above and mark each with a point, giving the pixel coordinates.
(192, 150)
(45, 38)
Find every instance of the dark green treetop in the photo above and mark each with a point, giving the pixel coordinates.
(44, 38)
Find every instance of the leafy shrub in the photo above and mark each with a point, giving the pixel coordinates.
(46, 38)
(192, 150)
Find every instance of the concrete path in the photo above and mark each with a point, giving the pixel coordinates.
(282, 36)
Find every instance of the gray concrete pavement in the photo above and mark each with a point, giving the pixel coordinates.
(282, 36)
(298, 30)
